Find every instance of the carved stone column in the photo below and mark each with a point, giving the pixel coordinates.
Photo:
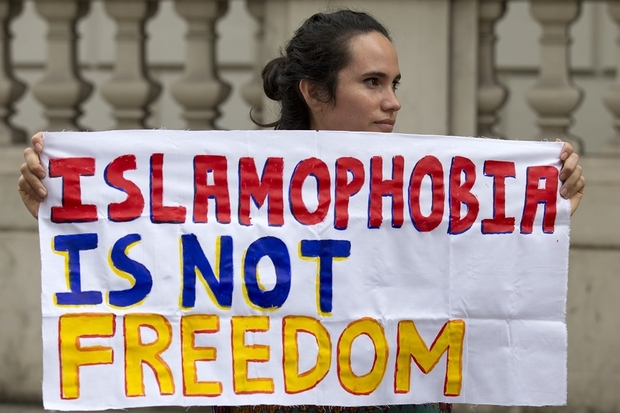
(611, 97)
(554, 97)
(11, 89)
(200, 90)
(252, 91)
(62, 90)
(491, 93)
(130, 91)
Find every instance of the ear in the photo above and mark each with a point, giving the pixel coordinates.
(310, 92)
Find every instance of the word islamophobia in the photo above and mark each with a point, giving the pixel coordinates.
(269, 187)
(230, 214)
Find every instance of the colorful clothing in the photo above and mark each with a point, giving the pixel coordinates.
(405, 408)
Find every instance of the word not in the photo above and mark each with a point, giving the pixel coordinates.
(349, 178)
(218, 281)
(140, 355)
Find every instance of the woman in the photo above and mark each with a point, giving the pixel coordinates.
(339, 72)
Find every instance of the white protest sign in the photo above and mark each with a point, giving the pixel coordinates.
(301, 267)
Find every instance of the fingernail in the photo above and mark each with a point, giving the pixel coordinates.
(42, 192)
(564, 156)
(564, 192)
(41, 174)
(38, 147)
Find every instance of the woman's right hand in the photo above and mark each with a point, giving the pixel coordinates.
(29, 184)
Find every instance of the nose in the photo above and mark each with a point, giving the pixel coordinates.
(390, 102)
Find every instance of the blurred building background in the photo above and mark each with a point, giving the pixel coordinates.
(526, 70)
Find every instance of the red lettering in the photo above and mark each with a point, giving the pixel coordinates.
(216, 165)
(132, 207)
(460, 193)
(500, 223)
(270, 185)
(318, 169)
(535, 195)
(161, 213)
(431, 166)
(345, 189)
(72, 209)
(388, 187)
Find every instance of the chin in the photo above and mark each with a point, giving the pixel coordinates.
(385, 128)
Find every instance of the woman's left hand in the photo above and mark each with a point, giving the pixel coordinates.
(571, 176)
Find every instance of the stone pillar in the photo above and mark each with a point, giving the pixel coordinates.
(554, 97)
(491, 93)
(130, 91)
(463, 66)
(62, 90)
(611, 96)
(200, 90)
(252, 91)
(11, 89)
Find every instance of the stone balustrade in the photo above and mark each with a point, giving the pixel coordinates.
(12, 89)
(200, 92)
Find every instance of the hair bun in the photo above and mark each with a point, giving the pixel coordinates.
(271, 75)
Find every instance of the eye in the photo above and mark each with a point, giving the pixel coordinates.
(395, 85)
(372, 81)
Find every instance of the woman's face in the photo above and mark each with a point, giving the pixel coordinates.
(365, 97)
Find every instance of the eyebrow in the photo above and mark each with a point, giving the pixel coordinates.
(381, 74)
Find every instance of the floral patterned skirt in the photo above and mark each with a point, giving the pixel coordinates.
(405, 408)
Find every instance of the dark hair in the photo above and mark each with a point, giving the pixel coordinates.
(318, 50)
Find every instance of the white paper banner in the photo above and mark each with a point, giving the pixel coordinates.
(301, 267)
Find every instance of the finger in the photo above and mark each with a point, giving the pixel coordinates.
(30, 183)
(575, 200)
(569, 166)
(574, 183)
(567, 150)
(31, 200)
(577, 188)
(37, 142)
(33, 163)
(26, 190)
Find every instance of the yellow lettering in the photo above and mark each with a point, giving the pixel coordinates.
(369, 382)
(292, 326)
(190, 326)
(412, 346)
(138, 353)
(72, 328)
(243, 354)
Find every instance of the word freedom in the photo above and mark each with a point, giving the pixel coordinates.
(181, 336)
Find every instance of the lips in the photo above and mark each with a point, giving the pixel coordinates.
(385, 125)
